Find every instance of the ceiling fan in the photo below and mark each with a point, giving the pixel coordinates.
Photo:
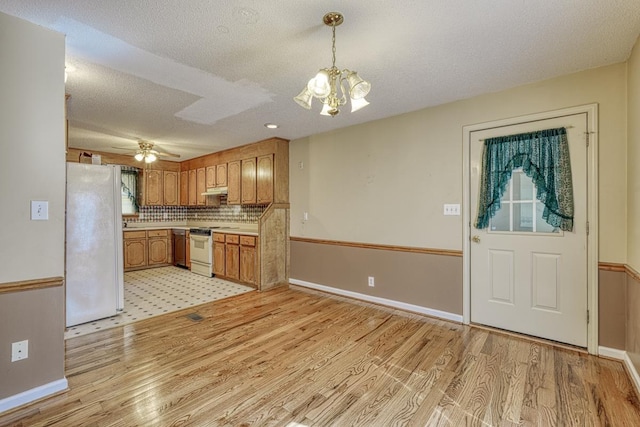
(147, 153)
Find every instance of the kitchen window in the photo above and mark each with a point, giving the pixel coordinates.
(129, 187)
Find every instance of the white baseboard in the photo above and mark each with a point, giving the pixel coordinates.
(382, 301)
(624, 357)
(32, 395)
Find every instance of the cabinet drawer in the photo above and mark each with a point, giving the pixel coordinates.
(217, 237)
(135, 234)
(158, 233)
(247, 240)
(233, 238)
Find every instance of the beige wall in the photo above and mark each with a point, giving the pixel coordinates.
(386, 181)
(32, 167)
(633, 158)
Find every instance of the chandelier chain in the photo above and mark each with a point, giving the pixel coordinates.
(333, 44)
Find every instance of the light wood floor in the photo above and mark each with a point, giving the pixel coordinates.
(291, 358)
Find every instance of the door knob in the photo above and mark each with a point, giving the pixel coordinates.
(476, 239)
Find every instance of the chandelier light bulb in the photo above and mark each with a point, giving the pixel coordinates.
(326, 84)
(139, 157)
(150, 157)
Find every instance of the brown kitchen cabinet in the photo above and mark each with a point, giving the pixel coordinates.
(264, 180)
(219, 254)
(135, 250)
(248, 186)
(234, 177)
(184, 188)
(170, 188)
(201, 186)
(248, 260)
(153, 187)
(188, 249)
(146, 249)
(221, 175)
(211, 176)
(232, 256)
(193, 188)
(158, 247)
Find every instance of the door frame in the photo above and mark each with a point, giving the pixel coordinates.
(591, 111)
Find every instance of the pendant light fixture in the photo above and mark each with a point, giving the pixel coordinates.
(328, 81)
(145, 152)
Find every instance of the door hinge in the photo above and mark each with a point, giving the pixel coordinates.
(587, 317)
(587, 228)
(587, 133)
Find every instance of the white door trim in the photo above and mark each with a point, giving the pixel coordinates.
(592, 209)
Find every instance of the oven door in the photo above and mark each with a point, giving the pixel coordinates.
(200, 249)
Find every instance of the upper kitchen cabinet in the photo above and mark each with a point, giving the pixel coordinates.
(160, 188)
(264, 183)
(153, 187)
(221, 175)
(248, 186)
(234, 178)
(211, 176)
(193, 188)
(184, 188)
(201, 186)
(170, 190)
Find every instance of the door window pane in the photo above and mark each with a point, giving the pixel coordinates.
(520, 211)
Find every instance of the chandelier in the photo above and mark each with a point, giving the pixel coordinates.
(328, 81)
(145, 152)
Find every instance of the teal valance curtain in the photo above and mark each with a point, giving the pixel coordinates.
(129, 178)
(544, 157)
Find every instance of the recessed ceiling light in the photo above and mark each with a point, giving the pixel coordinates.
(271, 125)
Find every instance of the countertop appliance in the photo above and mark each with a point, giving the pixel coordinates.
(201, 250)
(179, 247)
(94, 263)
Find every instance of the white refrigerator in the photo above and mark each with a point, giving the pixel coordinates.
(94, 277)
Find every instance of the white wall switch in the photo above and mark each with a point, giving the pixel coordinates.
(39, 210)
(19, 350)
(372, 281)
(306, 216)
(451, 209)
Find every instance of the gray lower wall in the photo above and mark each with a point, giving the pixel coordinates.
(426, 280)
(611, 313)
(435, 282)
(38, 316)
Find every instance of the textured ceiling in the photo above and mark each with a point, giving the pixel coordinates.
(199, 76)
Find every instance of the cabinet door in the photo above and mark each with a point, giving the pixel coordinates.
(135, 253)
(264, 184)
(233, 183)
(184, 188)
(248, 264)
(201, 185)
(193, 189)
(211, 176)
(188, 248)
(232, 261)
(153, 187)
(158, 251)
(221, 175)
(249, 181)
(170, 188)
(218, 259)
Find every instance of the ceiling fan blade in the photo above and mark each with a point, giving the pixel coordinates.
(164, 153)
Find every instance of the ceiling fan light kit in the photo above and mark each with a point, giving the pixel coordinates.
(328, 81)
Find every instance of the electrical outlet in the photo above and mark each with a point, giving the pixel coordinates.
(452, 209)
(19, 350)
(372, 281)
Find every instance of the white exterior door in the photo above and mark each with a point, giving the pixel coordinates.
(526, 276)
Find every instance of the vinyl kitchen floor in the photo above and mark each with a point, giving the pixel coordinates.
(156, 291)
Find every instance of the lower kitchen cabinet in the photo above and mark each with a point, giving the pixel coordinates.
(235, 257)
(232, 256)
(146, 249)
(218, 254)
(158, 247)
(135, 250)
(248, 260)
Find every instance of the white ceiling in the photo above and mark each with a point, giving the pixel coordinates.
(200, 76)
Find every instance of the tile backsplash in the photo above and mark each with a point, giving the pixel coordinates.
(222, 213)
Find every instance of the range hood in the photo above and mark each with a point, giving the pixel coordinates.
(216, 191)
